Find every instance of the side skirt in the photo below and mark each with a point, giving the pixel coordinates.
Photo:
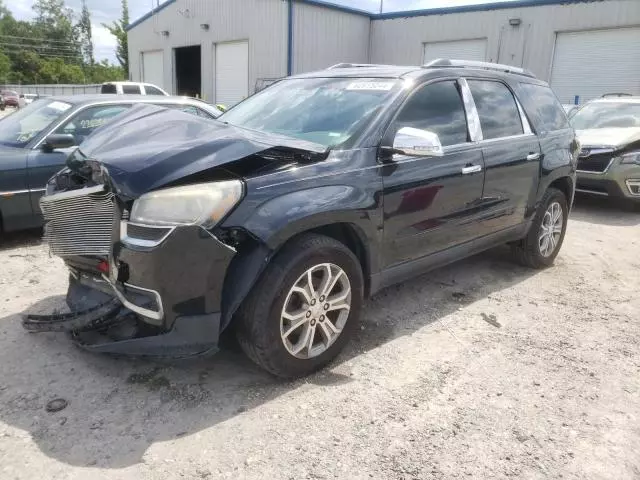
(406, 270)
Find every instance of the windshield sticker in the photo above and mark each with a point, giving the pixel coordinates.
(60, 106)
(383, 86)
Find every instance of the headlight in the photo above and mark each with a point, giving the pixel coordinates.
(631, 157)
(201, 204)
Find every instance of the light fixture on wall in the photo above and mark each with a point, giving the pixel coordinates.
(164, 33)
(515, 22)
(204, 26)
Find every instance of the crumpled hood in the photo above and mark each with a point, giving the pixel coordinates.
(150, 146)
(608, 137)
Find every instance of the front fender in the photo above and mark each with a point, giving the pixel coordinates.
(279, 219)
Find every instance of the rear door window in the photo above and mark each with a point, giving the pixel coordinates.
(438, 108)
(131, 89)
(497, 109)
(550, 112)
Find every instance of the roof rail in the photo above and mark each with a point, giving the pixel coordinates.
(443, 62)
(355, 65)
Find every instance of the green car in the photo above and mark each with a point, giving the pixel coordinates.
(609, 163)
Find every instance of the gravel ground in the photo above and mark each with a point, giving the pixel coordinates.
(478, 370)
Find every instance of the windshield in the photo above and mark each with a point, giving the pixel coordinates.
(17, 129)
(607, 115)
(328, 111)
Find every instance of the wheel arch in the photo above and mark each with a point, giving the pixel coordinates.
(255, 255)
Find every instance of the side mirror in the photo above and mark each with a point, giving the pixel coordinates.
(58, 140)
(417, 143)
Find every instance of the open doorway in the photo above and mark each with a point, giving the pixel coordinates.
(188, 71)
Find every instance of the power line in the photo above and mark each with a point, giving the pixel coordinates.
(39, 39)
(39, 47)
(48, 55)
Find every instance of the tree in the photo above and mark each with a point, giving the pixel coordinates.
(86, 37)
(5, 67)
(57, 35)
(119, 30)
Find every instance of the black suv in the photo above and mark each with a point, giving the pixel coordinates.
(277, 219)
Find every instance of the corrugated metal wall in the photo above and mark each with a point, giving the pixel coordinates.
(262, 22)
(401, 41)
(324, 37)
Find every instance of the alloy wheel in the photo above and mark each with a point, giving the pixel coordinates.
(551, 229)
(315, 311)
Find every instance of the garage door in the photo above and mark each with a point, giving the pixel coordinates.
(590, 64)
(153, 68)
(232, 72)
(457, 50)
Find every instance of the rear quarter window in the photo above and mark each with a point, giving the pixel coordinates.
(543, 107)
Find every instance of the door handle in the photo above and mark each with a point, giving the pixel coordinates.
(533, 156)
(471, 169)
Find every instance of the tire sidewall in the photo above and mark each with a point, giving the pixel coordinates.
(297, 266)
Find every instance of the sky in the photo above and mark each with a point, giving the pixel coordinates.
(105, 11)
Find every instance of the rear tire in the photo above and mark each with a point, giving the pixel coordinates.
(540, 247)
(266, 322)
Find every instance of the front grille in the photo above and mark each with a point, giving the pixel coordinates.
(594, 163)
(79, 222)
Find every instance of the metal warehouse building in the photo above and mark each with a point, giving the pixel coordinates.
(224, 50)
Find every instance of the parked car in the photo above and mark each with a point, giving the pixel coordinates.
(11, 98)
(278, 219)
(29, 155)
(131, 88)
(609, 163)
(27, 98)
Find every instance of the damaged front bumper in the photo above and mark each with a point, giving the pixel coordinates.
(159, 297)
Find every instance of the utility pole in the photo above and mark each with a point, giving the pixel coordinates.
(381, 5)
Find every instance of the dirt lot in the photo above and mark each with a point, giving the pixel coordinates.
(479, 370)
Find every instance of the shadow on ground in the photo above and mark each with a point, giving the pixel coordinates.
(24, 238)
(604, 211)
(117, 408)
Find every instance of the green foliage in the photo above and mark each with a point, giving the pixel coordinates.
(5, 65)
(86, 37)
(118, 30)
(52, 48)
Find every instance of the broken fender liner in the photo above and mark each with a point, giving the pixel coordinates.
(98, 316)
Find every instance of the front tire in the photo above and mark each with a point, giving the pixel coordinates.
(304, 308)
(542, 244)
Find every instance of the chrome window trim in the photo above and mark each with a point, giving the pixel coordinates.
(509, 137)
(139, 242)
(473, 119)
(526, 126)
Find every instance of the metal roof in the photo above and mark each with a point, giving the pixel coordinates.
(408, 13)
